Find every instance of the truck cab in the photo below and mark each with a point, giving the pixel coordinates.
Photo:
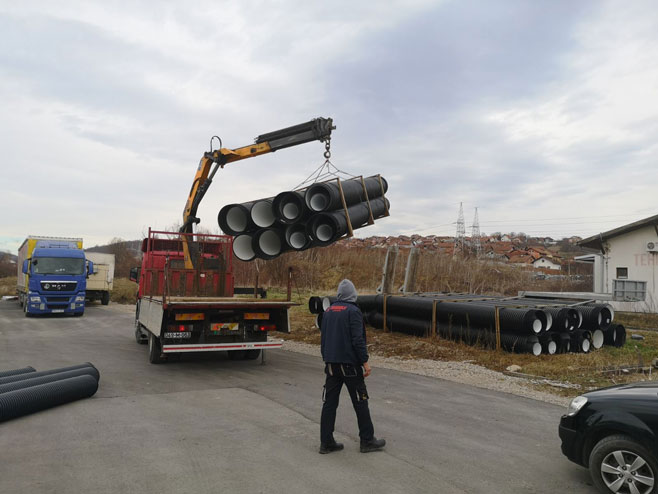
(54, 278)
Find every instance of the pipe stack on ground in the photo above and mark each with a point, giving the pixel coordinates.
(22, 393)
(527, 325)
(316, 216)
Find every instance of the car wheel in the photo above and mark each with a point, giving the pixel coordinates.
(620, 464)
(155, 349)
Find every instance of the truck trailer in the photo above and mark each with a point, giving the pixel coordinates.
(100, 283)
(52, 275)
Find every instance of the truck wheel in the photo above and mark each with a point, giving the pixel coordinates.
(105, 298)
(251, 354)
(25, 310)
(140, 337)
(155, 349)
(618, 461)
(78, 314)
(236, 355)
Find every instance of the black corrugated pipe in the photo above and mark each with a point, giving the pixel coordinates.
(242, 247)
(290, 207)
(325, 196)
(26, 383)
(369, 302)
(581, 341)
(318, 319)
(16, 372)
(268, 243)
(619, 335)
(471, 314)
(296, 237)
(549, 345)
(315, 305)
(90, 369)
(235, 219)
(35, 398)
(564, 319)
(326, 228)
(610, 335)
(565, 343)
(327, 301)
(262, 213)
(595, 317)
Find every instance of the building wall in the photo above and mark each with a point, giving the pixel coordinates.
(630, 251)
(545, 263)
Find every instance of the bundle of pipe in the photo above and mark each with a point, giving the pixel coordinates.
(615, 335)
(29, 392)
(581, 341)
(301, 219)
(15, 372)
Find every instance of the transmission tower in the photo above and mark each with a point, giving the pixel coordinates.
(475, 235)
(461, 232)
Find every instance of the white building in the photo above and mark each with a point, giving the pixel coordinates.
(546, 263)
(625, 265)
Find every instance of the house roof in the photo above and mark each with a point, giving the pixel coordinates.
(596, 241)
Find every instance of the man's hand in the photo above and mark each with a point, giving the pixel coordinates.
(366, 369)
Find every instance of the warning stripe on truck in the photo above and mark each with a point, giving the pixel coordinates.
(213, 347)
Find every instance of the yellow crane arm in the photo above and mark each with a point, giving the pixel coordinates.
(318, 129)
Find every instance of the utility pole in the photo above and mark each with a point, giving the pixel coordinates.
(461, 232)
(475, 235)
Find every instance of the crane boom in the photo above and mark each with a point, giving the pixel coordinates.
(318, 129)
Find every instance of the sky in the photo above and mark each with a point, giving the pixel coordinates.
(542, 114)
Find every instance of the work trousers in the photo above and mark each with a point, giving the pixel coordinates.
(352, 377)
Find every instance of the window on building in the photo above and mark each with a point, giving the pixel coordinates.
(622, 273)
(629, 291)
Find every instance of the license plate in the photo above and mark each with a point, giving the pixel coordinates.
(231, 326)
(57, 311)
(257, 315)
(178, 335)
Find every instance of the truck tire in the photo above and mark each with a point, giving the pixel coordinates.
(105, 298)
(236, 354)
(140, 337)
(25, 310)
(79, 314)
(155, 349)
(251, 354)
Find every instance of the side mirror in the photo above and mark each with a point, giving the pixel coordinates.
(26, 266)
(90, 268)
(134, 274)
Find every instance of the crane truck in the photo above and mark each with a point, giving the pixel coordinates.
(186, 300)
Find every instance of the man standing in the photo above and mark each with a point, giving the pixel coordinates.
(346, 362)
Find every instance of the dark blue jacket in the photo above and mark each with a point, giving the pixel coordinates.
(343, 334)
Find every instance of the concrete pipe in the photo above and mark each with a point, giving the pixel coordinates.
(242, 247)
(323, 197)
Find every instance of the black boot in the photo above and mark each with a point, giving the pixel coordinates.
(328, 448)
(373, 445)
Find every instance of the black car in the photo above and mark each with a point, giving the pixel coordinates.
(613, 432)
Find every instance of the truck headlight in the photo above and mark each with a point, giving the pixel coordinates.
(80, 298)
(35, 299)
(576, 404)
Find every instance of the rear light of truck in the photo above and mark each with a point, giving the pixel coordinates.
(267, 327)
(179, 327)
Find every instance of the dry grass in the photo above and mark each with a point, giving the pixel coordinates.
(123, 291)
(638, 320)
(8, 286)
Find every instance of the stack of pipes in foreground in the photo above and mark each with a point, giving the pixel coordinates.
(297, 220)
(527, 325)
(24, 391)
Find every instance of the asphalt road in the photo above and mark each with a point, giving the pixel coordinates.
(207, 424)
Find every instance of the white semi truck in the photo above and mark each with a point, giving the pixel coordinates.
(99, 284)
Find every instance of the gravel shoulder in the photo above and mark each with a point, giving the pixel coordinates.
(460, 372)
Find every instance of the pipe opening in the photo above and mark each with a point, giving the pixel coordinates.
(585, 345)
(290, 211)
(270, 243)
(236, 219)
(242, 248)
(319, 200)
(297, 240)
(552, 347)
(536, 325)
(597, 338)
(324, 232)
(326, 303)
(549, 321)
(536, 349)
(262, 214)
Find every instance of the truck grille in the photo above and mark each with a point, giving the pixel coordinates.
(57, 300)
(58, 286)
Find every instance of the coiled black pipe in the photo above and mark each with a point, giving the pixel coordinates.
(289, 207)
(33, 399)
(16, 372)
(26, 383)
(326, 228)
(325, 196)
(90, 369)
(235, 219)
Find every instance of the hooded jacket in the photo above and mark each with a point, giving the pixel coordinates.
(343, 330)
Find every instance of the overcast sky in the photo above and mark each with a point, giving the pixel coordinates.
(543, 114)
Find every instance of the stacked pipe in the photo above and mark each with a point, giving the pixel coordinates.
(526, 325)
(25, 391)
(316, 216)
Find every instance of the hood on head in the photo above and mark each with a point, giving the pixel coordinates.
(346, 291)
